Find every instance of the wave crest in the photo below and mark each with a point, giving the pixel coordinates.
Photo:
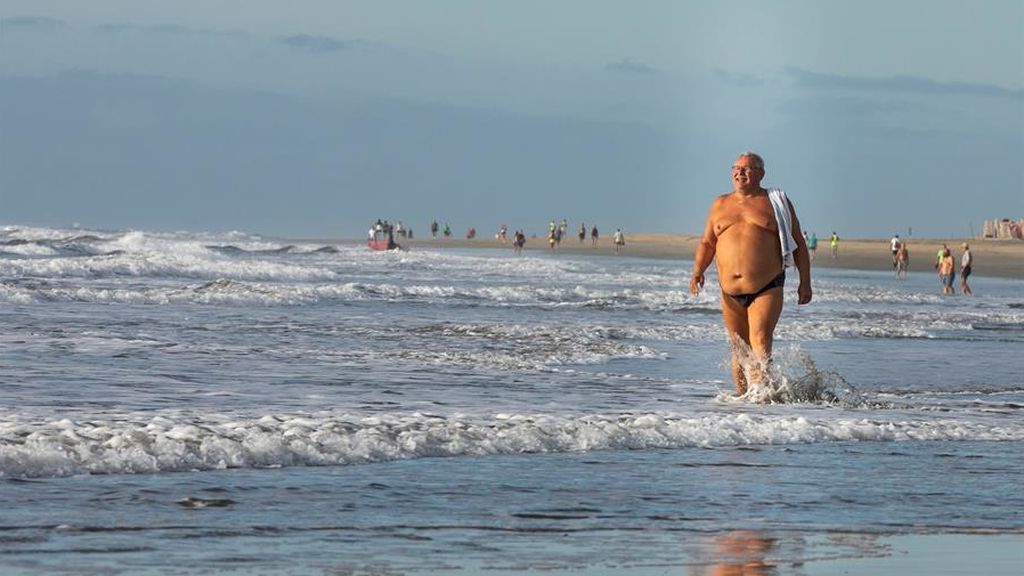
(169, 443)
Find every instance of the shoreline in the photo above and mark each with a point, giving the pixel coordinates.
(992, 258)
(817, 554)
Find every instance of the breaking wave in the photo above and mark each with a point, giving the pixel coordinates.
(144, 443)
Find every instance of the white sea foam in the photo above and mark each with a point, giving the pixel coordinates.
(540, 355)
(143, 443)
(291, 274)
(839, 293)
(178, 264)
(28, 249)
(243, 283)
(227, 291)
(502, 346)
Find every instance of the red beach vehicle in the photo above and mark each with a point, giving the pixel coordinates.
(379, 245)
(383, 244)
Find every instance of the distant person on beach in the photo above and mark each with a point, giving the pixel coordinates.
(894, 247)
(946, 272)
(582, 232)
(593, 236)
(753, 235)
(619, 240)
(834, 242)
(518, 241)
(965, 268)
(902, 261)
(433, 229)
(940, 255)
(812, 244)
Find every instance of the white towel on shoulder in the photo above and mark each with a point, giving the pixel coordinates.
(781, 205)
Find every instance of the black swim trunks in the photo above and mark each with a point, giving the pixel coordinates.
(965, 272)
(746, 300)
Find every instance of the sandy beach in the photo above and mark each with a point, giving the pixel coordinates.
(997, 258)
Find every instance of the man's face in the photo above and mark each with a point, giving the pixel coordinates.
(746, 174)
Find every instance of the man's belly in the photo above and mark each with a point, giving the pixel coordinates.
(747, 257)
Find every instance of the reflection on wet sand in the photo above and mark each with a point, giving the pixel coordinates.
(737, 553)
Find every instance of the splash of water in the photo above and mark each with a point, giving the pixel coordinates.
(792, 377)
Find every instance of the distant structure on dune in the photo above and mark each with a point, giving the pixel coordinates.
(1004, 229)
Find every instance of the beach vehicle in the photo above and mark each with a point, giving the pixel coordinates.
(381, 245)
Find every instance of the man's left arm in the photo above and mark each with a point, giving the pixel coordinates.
(801, 258)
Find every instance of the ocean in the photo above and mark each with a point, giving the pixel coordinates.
(230, 403)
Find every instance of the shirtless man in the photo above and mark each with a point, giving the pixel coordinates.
(742, 235)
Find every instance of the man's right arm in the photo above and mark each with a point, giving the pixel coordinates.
(705, 254)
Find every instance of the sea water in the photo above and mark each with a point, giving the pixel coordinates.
(225, 402)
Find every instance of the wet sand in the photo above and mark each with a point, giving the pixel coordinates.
(823, 554)
(997, 258)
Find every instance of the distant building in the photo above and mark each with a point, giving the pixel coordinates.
(1003, 229)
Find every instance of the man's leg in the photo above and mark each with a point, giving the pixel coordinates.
(762, 316)
(734, 316)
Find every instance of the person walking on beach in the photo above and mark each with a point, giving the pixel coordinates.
(940, 254)
(619, 240)
(519, 241)
(902, 261)
(753, 235)
(835, 245)
(946, 272)
(965, 268)
(593, 236)
(894, 247)
(812, 244)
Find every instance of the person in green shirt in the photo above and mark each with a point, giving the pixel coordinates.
(939, 255)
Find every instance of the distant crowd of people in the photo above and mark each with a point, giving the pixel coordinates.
(383, 229)
(945, 264)
(556, 233)
(434, 229)
(811, 241)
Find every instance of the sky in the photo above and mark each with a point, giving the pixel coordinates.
(312, 119)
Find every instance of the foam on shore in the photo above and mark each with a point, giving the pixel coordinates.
(144, 443)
